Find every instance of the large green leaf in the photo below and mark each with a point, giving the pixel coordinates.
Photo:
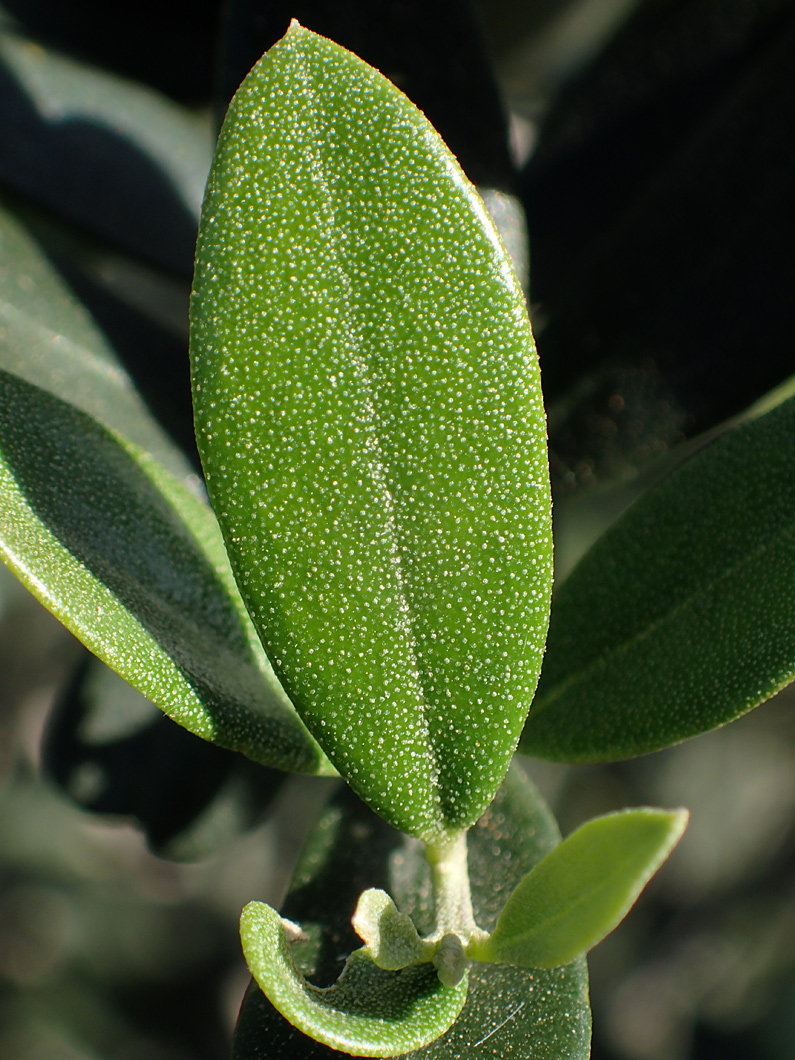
(582, 889)
(134, 565)
(371, 425)
(539, 1015)
(680, 618)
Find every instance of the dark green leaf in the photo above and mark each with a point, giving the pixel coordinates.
(371, 425)
(680, 618)
(540, 1015)
(582, 889)
(115, 753)
(132, 563)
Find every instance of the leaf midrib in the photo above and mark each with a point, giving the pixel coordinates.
(376, 462)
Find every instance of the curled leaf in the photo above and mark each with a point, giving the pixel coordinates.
(368, 1012)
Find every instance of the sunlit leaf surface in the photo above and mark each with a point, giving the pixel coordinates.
(371, 425)
(583, 888)
(133, 564)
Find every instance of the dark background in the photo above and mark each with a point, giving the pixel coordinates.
(649, 144)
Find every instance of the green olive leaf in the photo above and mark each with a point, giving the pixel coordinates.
(120, 159)
(582, 889)
(133, 564)
(509, 1011)
(368, 1012)
(370, 421)
(680, 617)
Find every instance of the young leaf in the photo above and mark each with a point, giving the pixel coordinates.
(509, 1011)
(132, 563)
(367, 1012)
(680, 618)
(389, 935)
(582, 889)
(370, 422)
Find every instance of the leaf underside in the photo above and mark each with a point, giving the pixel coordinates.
(367, 1012)
(370, 422)
(680, 618)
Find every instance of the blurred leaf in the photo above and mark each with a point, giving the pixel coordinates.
(115, 753)
(582, 889)
(541, 1015)
(159, 46)
(680, 617)
(370, 420)
(659, 204)
(120, 160)
(48, 338)
(133, 565)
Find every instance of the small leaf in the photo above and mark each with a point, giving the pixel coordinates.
(680, 617)
(390, 936)
(370, 421)
(132, 563)
(582, 889)
(367, 1012)
(509, 1011)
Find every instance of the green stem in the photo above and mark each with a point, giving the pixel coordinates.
(451, 891)
(456, 928)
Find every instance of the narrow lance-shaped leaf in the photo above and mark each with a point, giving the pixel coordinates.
(680, 617)
(582, 889)
(133, 564)
(509, 1011)
(371, 425)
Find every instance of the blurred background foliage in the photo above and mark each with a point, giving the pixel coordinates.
(647, 145)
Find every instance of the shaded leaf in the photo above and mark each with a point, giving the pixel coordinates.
(680, 617)
(666, 167)
(122, 161)
(371, 425)
(113, 752)
(48, 338)
(132, 563)
(540, 1015)
(582, 889)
